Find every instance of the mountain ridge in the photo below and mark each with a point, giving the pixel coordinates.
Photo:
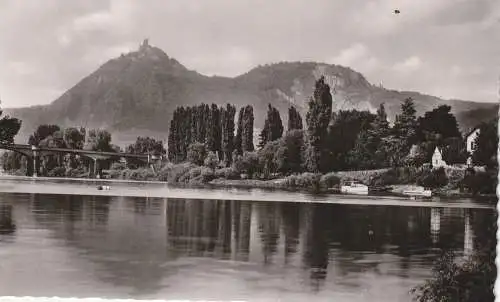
(136, 94)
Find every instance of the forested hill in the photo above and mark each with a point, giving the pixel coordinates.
(136, 94)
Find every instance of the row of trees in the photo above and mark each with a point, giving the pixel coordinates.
(344, 140)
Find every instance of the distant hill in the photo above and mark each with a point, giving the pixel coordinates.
(136, 94)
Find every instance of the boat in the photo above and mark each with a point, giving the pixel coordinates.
(354, 187)
(100, 188)
(418, 191)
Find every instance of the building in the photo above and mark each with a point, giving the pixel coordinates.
(470, 140)
(437, 159)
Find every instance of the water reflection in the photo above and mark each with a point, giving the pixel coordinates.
(7, 225)
(143, 244)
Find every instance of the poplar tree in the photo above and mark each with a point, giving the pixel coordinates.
(227, 125)
(294, 119)
(247, 131)
(318, 117)
(273, 127)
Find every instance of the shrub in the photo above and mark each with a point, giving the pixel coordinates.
(305, 180)
(433, 179)
(329, 180)
(174, 173)
(227, 173)
(57, 172)
(211, 161)
(480, 182)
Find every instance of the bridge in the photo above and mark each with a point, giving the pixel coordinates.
(33, 154)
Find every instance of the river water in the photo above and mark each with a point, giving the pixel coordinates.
(148, 241)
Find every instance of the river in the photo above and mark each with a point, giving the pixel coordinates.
(150, 241)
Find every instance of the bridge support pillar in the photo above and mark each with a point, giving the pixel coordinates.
(36, 161)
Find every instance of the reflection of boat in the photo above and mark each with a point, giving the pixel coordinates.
(418, 191)
(354, 187)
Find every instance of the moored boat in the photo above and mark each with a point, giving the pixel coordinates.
(354, 187)
(418, 191)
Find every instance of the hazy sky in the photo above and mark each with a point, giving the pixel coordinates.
(448, 48)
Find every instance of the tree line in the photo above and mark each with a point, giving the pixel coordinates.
(328, 141)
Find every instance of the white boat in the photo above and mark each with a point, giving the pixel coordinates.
(418, 191)
(354, 187)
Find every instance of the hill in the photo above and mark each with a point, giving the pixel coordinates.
(136, 94)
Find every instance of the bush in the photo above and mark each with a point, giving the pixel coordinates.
(395, 176)
(211, 161)
(329, 180)
(305, 180)
(227, 173)
(480, 182)
(433, 179)
(57, 172)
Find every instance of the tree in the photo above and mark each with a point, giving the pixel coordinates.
(294, 119)
(318, 117)
(273, 127)
(214, 134)
(74, 138)
(227, 123)
(487, 145)
(404, 132)
(267, 159)
(370, 150)
(343, 132)
(174, 138)
(289, 154)
(438, 121)
(239, 130)
(98, 140)
(247, 131)
(145, 145)
(9, 127)
(41, 133)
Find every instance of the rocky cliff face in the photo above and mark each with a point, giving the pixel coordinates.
(136, 94)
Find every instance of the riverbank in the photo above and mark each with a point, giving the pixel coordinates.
(396, 180)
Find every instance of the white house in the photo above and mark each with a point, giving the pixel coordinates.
(470, 140)
(437, 159)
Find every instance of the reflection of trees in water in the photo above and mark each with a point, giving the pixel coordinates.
(7, 225)
(269, 223)
(196, 227)
(317, 221)
(242, 215)
(291, 224)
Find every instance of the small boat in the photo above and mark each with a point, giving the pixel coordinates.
(418, 191)
(354, 187)
(100, 188)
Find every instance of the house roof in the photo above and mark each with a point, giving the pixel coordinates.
(471, 131)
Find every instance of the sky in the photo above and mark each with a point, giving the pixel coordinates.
(446, 48)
